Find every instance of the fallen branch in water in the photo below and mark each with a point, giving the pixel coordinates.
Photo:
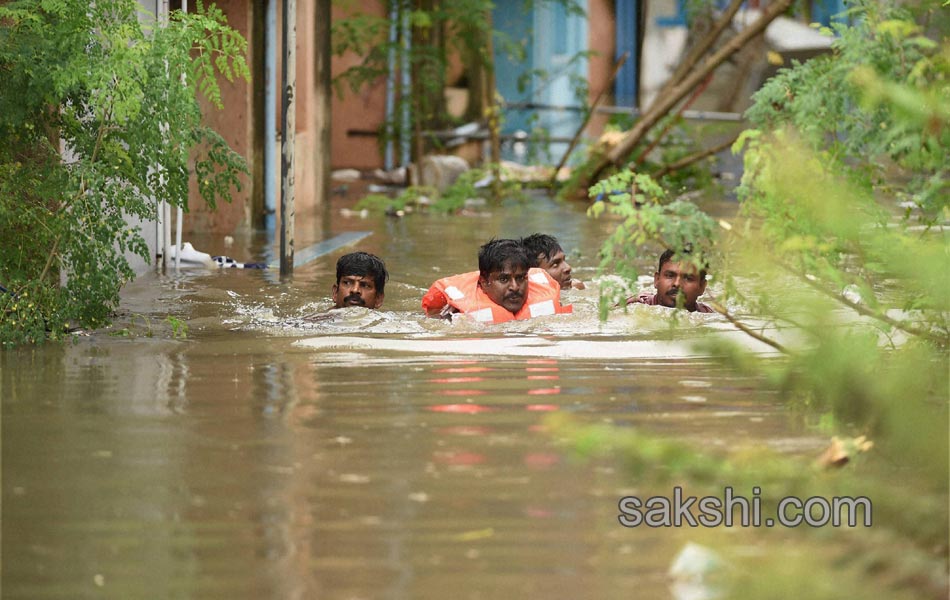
(694, 158)
(719, 308)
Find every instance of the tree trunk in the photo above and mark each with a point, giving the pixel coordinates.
(699, 50)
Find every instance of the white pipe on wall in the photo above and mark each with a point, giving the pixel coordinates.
(167, 233)
(159, 232)
(178, 240)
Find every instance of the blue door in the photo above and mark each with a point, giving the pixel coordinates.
(825, 11)
(550, 39)
(627, 35)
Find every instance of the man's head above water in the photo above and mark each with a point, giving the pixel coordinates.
(545, 252)
(503, 273)
(673, 279)
(360, 280)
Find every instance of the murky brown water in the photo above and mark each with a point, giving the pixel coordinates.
(377, 455)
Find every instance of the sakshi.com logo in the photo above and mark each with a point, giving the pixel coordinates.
(732, 510)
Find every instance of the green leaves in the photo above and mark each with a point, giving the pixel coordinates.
(119, 99)
(838, 253)
(845, 175)
(899, 78)
(214, 49)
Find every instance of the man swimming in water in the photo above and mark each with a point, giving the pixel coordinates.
(675, 282)
(504, 288)
(546, 253)
(360, 281)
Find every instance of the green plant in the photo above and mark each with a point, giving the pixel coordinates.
(427, 31)
(819, 212)
(876, 108)
(179, 327)
(452, 200)
(100, 120)
(381, 203)
(835, 261)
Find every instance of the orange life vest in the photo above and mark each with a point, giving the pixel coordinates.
(464, 293)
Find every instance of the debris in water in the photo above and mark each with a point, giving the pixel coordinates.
(841, 450)
(477, 534)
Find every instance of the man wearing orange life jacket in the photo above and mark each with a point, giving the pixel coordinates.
(503, 288)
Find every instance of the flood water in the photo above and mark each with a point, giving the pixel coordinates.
(370, 455)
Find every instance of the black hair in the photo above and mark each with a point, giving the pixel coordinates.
(669, 253)
(363, 264)
(496, 253)
(537, 244)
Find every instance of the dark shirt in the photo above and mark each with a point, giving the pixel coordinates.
(650, 299)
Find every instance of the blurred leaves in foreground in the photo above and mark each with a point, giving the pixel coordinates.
(838, 259)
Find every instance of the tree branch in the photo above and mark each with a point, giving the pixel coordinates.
(49, 259)
(590, 113)
(696, 52)
(867, 312)
(719, 308)
(669, 125)
(694, 158)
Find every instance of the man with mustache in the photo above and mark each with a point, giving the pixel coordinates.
(503, 289)
(545, 252)
(360, 281)
(678, 284)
